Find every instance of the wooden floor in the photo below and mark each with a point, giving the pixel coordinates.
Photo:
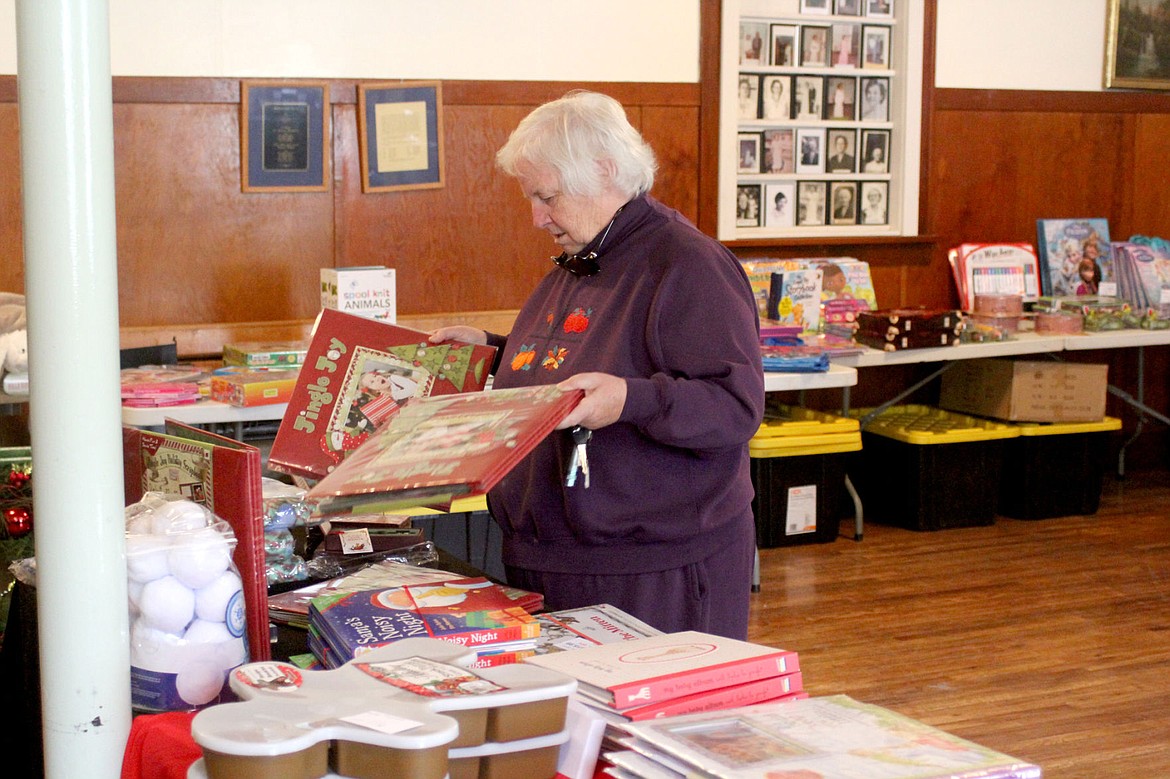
(1048, 640)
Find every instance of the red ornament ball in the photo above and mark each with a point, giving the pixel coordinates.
(17, 521)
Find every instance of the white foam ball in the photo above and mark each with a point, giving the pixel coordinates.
(198, 558)
(139, 524)
(211, 602)
(134, 593)
(178, 516)
(203, 631)
(146, 557)
(199, 683)
(167, 604)
(148, 644)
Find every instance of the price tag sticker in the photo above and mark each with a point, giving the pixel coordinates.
(356, 541)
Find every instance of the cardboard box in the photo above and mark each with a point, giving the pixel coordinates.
(1026, 391)
(367, 291)
(258, 388)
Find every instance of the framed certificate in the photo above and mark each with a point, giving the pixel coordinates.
(400, 132)
(284, 136)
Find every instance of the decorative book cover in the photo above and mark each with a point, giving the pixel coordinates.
(847, 278)
(439, 448)
(471, 612)
(995, 269)
(789, 687)
(832, 736)
(661, 668)
(221, 474)
(1075, 257)
(794, 297)
(357, 373)
(578, 628)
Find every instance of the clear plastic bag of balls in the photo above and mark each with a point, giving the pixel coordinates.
(285, 508)
(187, 617)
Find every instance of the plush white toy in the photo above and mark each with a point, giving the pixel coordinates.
(13, 334)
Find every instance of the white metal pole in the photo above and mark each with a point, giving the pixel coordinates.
(67, 179)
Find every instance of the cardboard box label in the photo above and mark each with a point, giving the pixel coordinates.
(368, 291)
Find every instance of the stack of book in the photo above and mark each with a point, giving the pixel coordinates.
(470, 612)
(1143, 277)
(676, 673)
(832, 737)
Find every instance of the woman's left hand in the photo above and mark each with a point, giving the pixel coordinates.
(605, 397)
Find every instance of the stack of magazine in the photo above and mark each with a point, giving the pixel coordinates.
(1142, 266)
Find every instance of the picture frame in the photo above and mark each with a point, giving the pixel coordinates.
(776, 97)
(780, 204)
(748, 96)
(875, 46)
(753, 44)
(1132, 60)
(875, 151)
(284, 136)
(824, 7)
(809, 150)
(840, 99)
(807, 94)
(814, 45)
(879, 9)
(847, 7)
(843, 203)
(874, 202)
(810, 202)
(748, 153)
(784, 47)
(875, 99)
(747, 205)
(841, 151)
(778, 151)
(846, 47)
(400, 134)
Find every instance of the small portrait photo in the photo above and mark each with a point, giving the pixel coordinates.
(810, 150)
(846, 45)
(879, 9)
(748, 96)
(847, 7)
(776, 96)
(747, 205)
(840, 98)
(842, 150)
(875, 145)
(810, 202)
(753, 43)
(843, 196)
(778, 151)
(814, 46)
(875, 99)
(780, 204)
(784, 45)
(816, 6)
(748, 155)
(807, 94)
(875, 47)
(875, 207)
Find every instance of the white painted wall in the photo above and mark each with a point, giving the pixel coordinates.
(982, 44)
(565, 40)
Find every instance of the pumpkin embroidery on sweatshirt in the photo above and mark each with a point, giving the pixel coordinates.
(522, 360)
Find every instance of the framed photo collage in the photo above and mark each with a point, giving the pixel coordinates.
(813, 116)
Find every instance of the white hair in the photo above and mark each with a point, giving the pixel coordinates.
(576, 135)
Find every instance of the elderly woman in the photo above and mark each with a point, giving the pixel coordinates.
(657, 324)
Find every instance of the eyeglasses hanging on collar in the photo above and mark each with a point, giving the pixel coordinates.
(585, 265)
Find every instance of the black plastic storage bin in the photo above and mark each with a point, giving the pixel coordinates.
(796, 450)
(1054, 470)
(922, 468)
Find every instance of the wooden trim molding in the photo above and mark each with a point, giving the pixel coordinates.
(1006, 100)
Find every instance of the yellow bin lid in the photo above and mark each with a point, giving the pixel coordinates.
(783, 420)
(791, 446)
(918, 424)
(1066, 428)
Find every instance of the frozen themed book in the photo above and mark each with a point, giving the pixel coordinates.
(357, 373)
(437, 449)
(1075, 257)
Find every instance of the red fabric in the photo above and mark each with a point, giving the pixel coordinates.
(160, 746)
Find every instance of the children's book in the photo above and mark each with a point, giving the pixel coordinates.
(661, 668)
(221, 474)
(846, 278)
(831, 737)
(794, 297)
(1144, 269)
(774, 688)
(471, 612)
(439, 448)
(794, 358)
(995, 269)
(586, 626)
(1074, 257)
(357, 373)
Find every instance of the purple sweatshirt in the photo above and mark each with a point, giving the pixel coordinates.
(672, 312)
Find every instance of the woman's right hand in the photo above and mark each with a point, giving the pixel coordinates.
(465, 333)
